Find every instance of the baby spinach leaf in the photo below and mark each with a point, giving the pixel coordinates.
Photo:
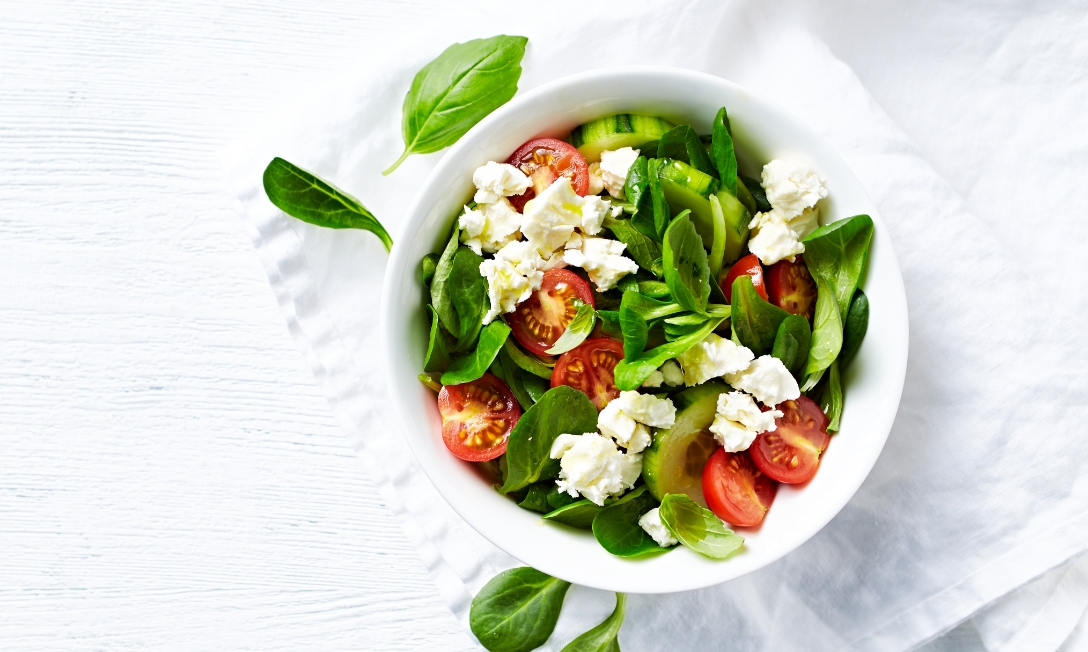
(516, 611)
(440, 290)
(717, 249)
(831, 397)
(468, 295)
(603, 637)
(682, 144)
(697, 527)
(635, 331)
(654, 289)
(645, 251)
(560, 410)
(637, 190)
(857, 322)
(579, 514)
(527, 362)
(557, 499)
(755, 321)
(616, 527)
(661, 212)
(837, 253)
(458, 89)
(577, 330)
(758, 195)
(792, 342)
(437, 358)
(686, 271)
(535, 386)
(513, 376)
(536, 499)
(427, 268)
(304, 196)
(610, 323)
(630, 374)
(470, 367)
(721, 146)
(826, 330)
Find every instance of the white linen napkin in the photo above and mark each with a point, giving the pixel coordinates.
(974, 495)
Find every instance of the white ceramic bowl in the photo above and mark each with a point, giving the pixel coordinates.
(763, 131)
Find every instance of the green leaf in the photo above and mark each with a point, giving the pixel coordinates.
(826, 330)
(516, 611)
(470, 367)
(561, 410)
(458, 89)
(857, 323)
(758, 195)
(697, 527)
(717, 250)
(661, 212)
(654, 289)
(536, 499)
(514, 377)
(430, 382)
(630, 374)
(837, 253)
(637, 190)
(616, 527)
(427, 268)
(440, 286)
(831, 397)
(304, 196)
(535, 387)
(577, 330)
(755, 321)
(603, 637)
(682, 144)
(792, 342)
(437, 358)
(468, 294)
(557, 499)
(636, 311)
(527, 362)
(722, 148)
(579, 514)
(610, 323)
(686, 271)
(643, 250)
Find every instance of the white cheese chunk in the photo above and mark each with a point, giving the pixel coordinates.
(614, 167)
(602, 259)
(714, 357)
(490, 226)
(654, 379)
(550, 218)
(627, 416)
(596, 183)
(672, 373)
(651, 523)
(591, 466)
(627, 432)
(772, 238)
(513, 275)
(791, 187)
(767, 379)
(497, 180)
(738, 420)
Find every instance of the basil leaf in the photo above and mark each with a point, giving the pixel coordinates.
(721, 146)
(579, 514)
(470, 367)
(697, 527)
(616, 527)
(643, 250)
(577, 330)
(755, 321)
(527, 362)
(682, 144)
(837, 253)
(603, 637)
(630, 374)
(561, 410)
(654, 289)
(516, 611)
(717, 249)
(437, 358)
(826, 330)
(857, 322)
(755, 190)
(792, 342)
(661, 212)
(831, 397)
(458, 89)
(304, 196)
(536, 499)
(686, 271)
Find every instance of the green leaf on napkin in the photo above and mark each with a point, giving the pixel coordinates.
(516, 611)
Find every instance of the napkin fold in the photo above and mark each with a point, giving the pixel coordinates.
(976, 492)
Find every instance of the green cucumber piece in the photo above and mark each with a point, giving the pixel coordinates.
(688, 177)
(616, 131)
(673, 464)
(686, 188)
(737, 218)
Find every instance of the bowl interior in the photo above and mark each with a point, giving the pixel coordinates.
(763, 131)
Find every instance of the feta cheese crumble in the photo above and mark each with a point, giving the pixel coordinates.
(651, 523)
(791, 187)
(602, 258)
(672, 373)
(490, 226)
(497, 180)
(591, 466)
(767, 379)
(614, 167)
(715, 356)
(627, 416)
(596, 183)
(549, 219)
(772, 238)
(513, 275)
(738, 420)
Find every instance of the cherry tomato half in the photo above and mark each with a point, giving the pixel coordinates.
(735, 489)
(544, 160)
(791, 288)
(791, 452)
(589, 367)
(538, 321)
(748, 265)
(477, 418)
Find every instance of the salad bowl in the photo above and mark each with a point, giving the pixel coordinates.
(762, 131)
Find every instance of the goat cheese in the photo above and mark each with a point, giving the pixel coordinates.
(614, 167)
(591, 466)
(651, 523)
(738, 420)
(512, 275)
(497, 180)
(490, 226)
(791, 187)
(767, 379)
(715, 356)
(627, 416)
(602, 258)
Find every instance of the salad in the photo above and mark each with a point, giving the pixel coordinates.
(628, 336)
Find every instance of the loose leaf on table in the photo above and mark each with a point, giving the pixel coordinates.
(579, 514)
(759, 196)
(697, 527)
(438, 357)
(684, 259)
(603, 637)
(682, 144)
(837, 253)
(560, 410)
(721, 146)
(831, 397)
(754, 320)
(577, 330)
(645, 251)
(792, 342)
(717, 250)
(516, 611)
(661, 212)
(529, 363)
(857, 323)
(630, 374)
(303, 195)
(826, 330)
(616, 527)
(458, 89)
(470, 367)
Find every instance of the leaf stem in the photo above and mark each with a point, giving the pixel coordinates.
(406, 154)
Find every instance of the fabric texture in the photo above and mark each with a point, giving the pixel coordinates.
(969, 499)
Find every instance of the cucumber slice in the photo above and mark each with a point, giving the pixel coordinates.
(673, 464)
(737, 218)
(686, 188)
(616, 131)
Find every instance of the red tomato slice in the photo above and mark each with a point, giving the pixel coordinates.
(538, 321)
(791, 288)
(589, 367)
(544, 160)
(477, 418)
(791, 452)
(748, 265)
(735, 489)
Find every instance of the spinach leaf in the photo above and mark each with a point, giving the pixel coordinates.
(304, 196)
(536, 499)
(535, 387)
(637, 190)
(826, 330)
(654, 289)
(616, 527)
(440, 285)
(437, 358)
(792, 342)
(831, 397)
(721, 146)
(629, 374)
(857, 322)
(758, 194)
(557, 499)
(755, 321)
(577, 330)
(610, 323)
(560, 410)
(527, 362)
(686, 271)
(645, 251)
(603, 637)
(636, 332)
(468, 295)
(427, 268)
(717, 249)
(837, 253)
(513, 376)
(683, 144)
(579, 514)
(458, 89)
(516, 611)
(661, 212)
(697, 527)
(470, 367)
